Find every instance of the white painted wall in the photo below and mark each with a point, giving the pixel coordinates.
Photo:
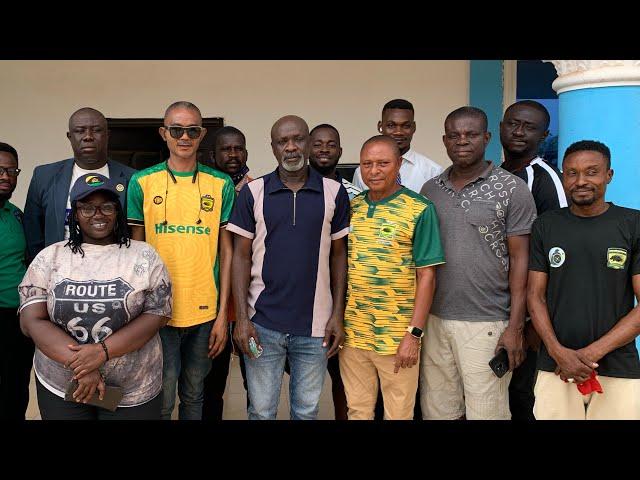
(37, 98)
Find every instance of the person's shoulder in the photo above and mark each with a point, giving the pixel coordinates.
(145, 172)
(208, 170)
(417, 202)
(55, 249)
(554, 215)
(507, 176)
(430, 184)
(626, 212)
(359, 199)
(13, 209)
(121, 167)
(432, 164)
(140, 246)
(52, 168)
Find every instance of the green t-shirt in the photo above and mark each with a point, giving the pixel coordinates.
(388, 240)
(12, 261)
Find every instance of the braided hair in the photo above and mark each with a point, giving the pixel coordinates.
(120, 229)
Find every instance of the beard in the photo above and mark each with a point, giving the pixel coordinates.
(289, 167)
(584, 200)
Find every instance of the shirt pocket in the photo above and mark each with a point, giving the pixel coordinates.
(481, 212)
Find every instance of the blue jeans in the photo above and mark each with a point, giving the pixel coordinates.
(185, 361)
(308, 360)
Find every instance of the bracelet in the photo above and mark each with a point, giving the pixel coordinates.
(104, 347)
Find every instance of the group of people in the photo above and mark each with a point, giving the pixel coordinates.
(403, 285)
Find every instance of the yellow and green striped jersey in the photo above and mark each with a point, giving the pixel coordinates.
(388, 240)
(182, 220)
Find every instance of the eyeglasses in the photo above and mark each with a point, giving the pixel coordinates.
(177, 132)
(88, 211)
(12, 172)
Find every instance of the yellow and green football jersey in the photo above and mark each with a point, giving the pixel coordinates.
(182, 221)
(388, 240)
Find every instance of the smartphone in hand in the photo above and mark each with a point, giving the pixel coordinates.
(112, 396)
(500, 363)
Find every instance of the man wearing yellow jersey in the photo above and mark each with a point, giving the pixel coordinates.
(181, 207)
(394, 246)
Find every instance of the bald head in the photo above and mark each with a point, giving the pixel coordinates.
(182, 105)
(87, 111)
(289, 120)
(382, 140)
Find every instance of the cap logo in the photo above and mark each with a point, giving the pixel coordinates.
(94, 181)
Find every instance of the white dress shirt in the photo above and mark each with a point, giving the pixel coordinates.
(415, 170)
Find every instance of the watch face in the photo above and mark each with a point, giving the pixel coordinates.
(415, 331)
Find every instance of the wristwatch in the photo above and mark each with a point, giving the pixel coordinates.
(415, 331)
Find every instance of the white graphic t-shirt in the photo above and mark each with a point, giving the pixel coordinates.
(75, 175)
(93, 296)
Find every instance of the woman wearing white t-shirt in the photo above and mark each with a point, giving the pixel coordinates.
(93, 307)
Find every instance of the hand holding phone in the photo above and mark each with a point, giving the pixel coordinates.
(256, 350)
(111, 400)
(500, 363)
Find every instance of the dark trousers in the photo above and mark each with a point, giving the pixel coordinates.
(53, 407)
(16, 359)
(216, 381)
(521, 397)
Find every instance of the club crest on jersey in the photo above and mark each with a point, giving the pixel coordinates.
(206, 203)
(157, 199)
(556, 257)
(616, 258)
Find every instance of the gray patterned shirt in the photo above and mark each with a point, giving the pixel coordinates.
(474, 225)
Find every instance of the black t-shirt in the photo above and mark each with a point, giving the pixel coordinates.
(590, 262)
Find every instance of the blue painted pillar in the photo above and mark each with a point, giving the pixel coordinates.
(486, 89)
(600, 100)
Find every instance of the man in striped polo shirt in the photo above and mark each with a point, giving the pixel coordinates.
(524, 127)
(289, 274)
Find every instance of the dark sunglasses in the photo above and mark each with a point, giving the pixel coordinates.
(12, 172)
(193, 132)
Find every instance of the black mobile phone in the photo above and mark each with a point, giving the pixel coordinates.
(112, 396)
(500, 363)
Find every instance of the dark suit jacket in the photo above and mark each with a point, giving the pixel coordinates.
(46, 205)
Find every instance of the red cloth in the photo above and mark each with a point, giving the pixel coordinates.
(591, 385)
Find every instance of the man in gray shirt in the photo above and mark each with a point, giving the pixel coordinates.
(479, 305)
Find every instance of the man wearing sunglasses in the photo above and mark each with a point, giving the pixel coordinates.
(16, 350)
(181, 208)
(47, 207)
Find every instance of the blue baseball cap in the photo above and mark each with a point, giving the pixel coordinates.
(91, 183)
